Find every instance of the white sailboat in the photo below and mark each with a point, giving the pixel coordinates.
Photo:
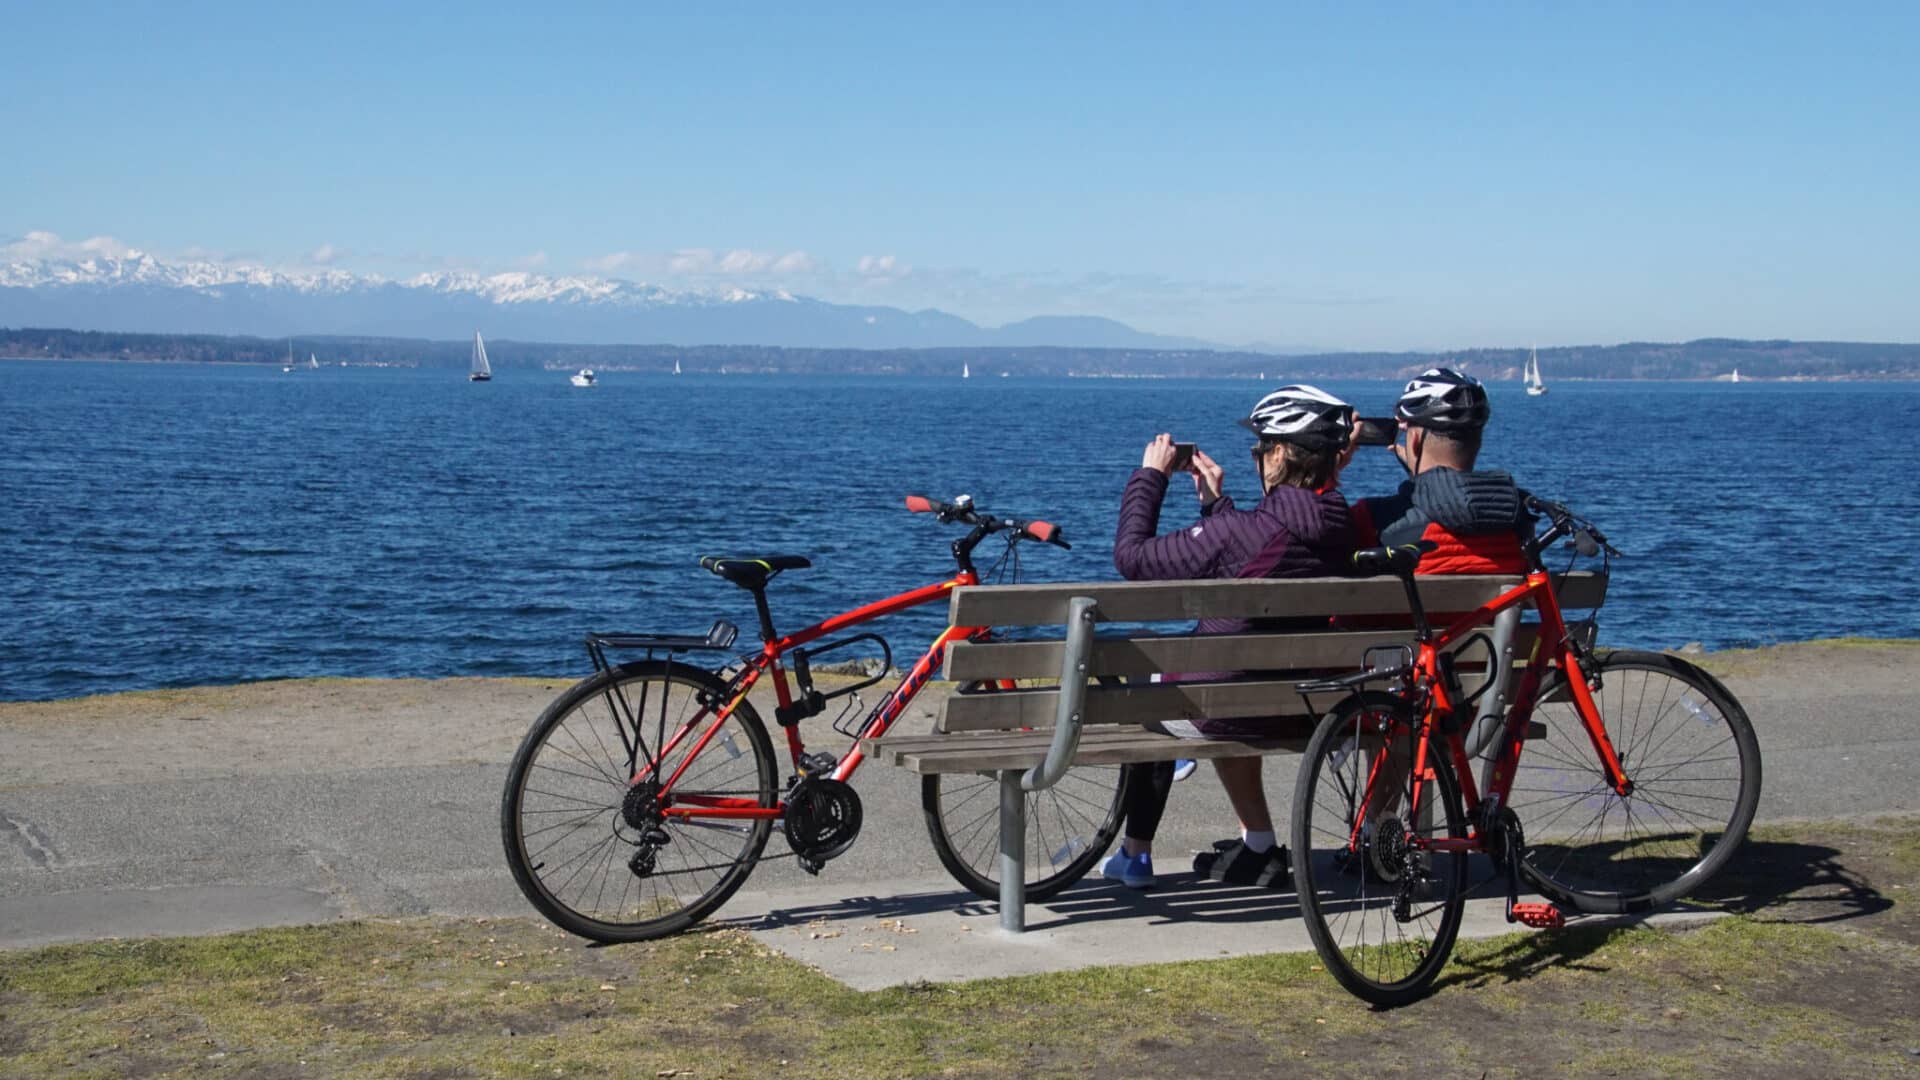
(313, 362)
(584, 377)
(1735, 377)
(481, 371)
(1534, 386)
(676, 367)
(965, 372)
(287, 368)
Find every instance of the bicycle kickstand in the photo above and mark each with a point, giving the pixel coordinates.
(1544, 916)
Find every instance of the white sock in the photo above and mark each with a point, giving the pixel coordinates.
(1257, 842)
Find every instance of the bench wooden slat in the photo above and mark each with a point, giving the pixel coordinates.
(1098, 746)
(1141, 656)
(1126, 704)
(884, 749)
(1162, 601)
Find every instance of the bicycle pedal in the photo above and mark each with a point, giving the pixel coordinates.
(1539, 916)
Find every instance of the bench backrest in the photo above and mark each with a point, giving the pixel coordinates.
(1142, 654)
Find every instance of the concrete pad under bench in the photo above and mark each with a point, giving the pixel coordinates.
(925, 931)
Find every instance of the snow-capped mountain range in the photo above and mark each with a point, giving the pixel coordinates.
(136, 292)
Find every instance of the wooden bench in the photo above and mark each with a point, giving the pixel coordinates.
(1031, 735)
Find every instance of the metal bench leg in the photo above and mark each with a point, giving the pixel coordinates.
(1060, 751)
(1013, 853)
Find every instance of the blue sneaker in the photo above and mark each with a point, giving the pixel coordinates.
(1183, 768)
(1133, 871)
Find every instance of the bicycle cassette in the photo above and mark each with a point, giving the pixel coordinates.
(822, 817)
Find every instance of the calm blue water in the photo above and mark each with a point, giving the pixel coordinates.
(183, 525)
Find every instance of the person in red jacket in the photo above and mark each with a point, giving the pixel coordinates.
(1300, 528)
(1476, 517)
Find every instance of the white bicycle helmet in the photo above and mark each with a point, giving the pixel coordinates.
(1444, 400)
(1306, 416)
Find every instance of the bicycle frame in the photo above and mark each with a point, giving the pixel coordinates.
(768, 662)
(1429, 675)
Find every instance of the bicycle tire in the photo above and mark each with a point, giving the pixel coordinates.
(570, 776)
(1690, 751)
(1346, 896)
(1069, 826)
(1063, 839)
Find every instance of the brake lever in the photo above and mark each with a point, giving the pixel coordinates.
(1596, 536)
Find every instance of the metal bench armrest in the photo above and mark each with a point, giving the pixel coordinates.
(1073, 696)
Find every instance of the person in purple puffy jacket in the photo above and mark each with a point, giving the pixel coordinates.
(1300, 528)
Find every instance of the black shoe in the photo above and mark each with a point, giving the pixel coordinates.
(1236, 864)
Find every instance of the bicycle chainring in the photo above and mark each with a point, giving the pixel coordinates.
(822, 818)
(1505, 836)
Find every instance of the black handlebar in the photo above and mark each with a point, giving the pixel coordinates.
(1588, 540)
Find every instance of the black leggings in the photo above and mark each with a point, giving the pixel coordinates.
(1148, 785)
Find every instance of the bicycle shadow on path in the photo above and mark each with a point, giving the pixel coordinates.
(1807, 883)
(1180, 898)
(868, 940)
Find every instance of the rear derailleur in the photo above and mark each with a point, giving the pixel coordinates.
(1388, 857)
(640, 811)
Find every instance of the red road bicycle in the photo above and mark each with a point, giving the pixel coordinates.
(1639, 781)
(643, 797)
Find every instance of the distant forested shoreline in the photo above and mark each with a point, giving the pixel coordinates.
(1709, 358)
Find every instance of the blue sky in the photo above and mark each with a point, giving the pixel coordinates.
(1354, 177)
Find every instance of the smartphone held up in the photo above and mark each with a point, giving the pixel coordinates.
(1182, 457)
(1375, 431)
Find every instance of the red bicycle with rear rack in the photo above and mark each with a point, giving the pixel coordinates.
(1639, 779)
(644, 796)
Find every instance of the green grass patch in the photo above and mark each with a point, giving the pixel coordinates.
(1739, 996)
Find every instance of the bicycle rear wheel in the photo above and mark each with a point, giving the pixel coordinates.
(1383, 913)
(1691, 754)
(1069, 826)
(591, 850)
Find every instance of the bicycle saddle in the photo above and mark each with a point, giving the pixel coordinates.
(1399, 559)
(753, 572)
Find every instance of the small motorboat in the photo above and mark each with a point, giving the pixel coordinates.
(583, 377)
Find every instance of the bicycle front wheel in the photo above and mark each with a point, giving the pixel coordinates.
(1382, 911)
(597, 853)
(1691, 755)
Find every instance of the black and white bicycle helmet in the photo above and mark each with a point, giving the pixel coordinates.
(1303, 415)
(1442, 399)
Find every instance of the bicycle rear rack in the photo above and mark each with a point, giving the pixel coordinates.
(719, 638)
